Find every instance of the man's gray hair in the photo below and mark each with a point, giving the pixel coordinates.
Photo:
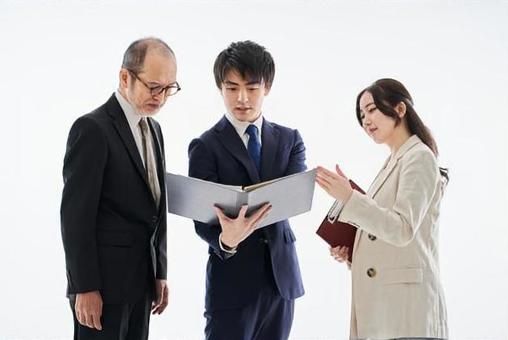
(134, 56)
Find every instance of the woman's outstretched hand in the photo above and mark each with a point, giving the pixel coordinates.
(335, 184)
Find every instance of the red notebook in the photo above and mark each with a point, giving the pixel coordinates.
(339, 233)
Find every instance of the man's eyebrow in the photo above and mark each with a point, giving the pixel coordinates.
(229, 82)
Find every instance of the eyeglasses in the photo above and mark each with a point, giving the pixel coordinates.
(169, 90)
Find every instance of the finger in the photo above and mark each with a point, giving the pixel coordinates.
(340, 253)
(339, 171)
(160, 293)
(323, 184)
(79, 317)
(220, 214)
(88, 319)
(324, 179)
(260, 214)
(162, 306)
(243, 211)
(96, 322)
(165, 301)
(257, 223)
(155, 306)
(157, 302)
(327, 173)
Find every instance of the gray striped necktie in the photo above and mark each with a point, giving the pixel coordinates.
(148, 155)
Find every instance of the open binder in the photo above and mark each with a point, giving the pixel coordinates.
(195, 198)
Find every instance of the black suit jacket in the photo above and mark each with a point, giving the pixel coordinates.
(114, 236)
(220, 156)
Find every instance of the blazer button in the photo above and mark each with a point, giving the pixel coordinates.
(371, 272)
(372, 237)
(154, 218)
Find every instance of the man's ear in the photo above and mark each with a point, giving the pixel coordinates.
(401, 109)
(123, 78)
(267, 90)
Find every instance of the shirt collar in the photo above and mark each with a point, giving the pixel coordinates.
(241, 127)
(132, 116)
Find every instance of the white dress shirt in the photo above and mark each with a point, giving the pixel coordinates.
(241, 127)
(133, 118)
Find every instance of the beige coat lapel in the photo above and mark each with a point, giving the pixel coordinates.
(383, 175)
(391, 164)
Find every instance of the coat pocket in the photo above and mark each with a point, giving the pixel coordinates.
(289, 236)
(402, 275)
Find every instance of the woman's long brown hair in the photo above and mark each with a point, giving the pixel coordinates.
(387, 94)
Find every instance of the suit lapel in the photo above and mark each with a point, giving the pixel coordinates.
(233, 143)
(391, 164)
(269, 144)
(122, 127)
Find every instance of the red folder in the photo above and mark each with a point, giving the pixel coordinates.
(339, 233)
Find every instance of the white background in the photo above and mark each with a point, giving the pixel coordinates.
(60, 59)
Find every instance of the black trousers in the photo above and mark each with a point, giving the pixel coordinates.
(127, 321)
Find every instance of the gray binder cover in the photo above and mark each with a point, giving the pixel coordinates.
(194, 198)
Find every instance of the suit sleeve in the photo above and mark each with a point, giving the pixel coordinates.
(84, 164)
(296, 162)
(397, 225)
(161, 246)
(202, 165)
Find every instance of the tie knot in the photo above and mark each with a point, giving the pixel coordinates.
(144, 125)
(252, 131)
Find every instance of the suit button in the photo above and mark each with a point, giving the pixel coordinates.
(371, 272)
(372, 237)
(263, 240)
(154, 219)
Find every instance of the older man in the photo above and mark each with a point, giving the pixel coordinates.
(113, 217)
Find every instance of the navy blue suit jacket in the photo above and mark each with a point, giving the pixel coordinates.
(220, 156)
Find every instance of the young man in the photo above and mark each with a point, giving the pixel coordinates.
(253, 275)
(113, 213)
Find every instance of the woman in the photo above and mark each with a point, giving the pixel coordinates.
(395, 266)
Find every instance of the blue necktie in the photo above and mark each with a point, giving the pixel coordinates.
(254, 145)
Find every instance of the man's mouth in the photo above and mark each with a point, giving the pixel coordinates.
(243, 108)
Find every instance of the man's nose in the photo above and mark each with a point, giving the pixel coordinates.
(243, 96)
(159, 96)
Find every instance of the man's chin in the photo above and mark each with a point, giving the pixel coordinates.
(150, 111)
(244, 116)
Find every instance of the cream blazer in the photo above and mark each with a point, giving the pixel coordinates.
(396, 289)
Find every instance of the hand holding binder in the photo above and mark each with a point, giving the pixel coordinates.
(337, 233)
(234, 231)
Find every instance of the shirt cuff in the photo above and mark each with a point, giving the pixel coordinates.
(225, 248)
